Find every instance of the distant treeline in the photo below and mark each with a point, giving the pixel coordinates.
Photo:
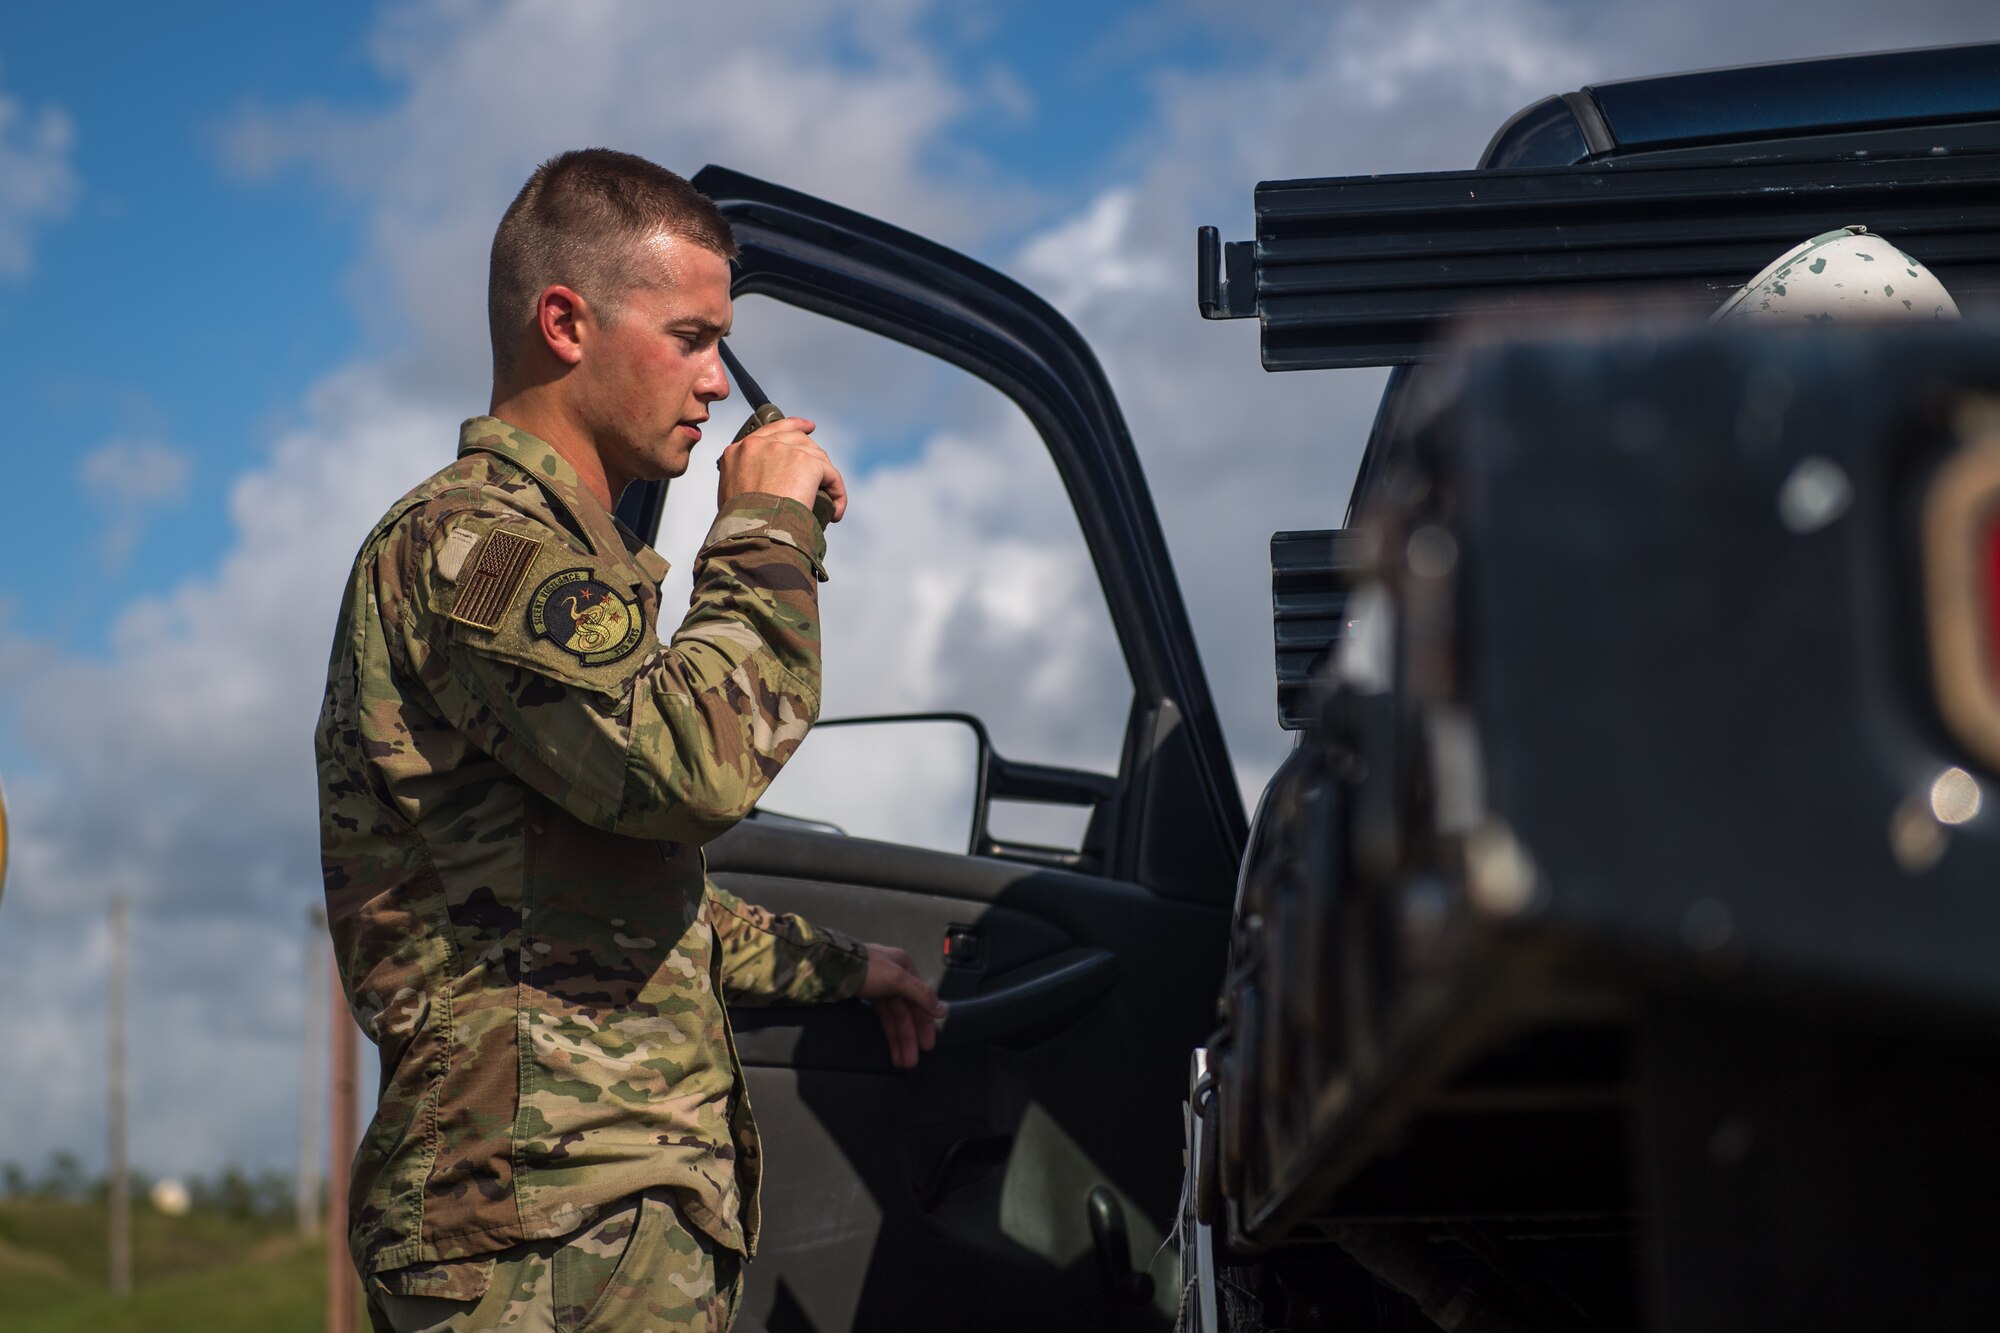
(231, 1192)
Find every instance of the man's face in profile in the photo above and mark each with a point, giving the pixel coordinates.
(650, 372)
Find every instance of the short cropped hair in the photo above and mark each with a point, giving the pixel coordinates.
(576, 223)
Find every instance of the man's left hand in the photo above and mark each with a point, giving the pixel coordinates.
(909, 1009)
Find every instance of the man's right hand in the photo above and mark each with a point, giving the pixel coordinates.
(908, 1008)
(781, 459)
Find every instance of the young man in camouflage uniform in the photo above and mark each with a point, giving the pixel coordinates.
(516, 780)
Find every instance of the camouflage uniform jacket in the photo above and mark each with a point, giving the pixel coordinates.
(516, 780)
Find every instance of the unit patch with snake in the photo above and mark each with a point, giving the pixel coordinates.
(581, 614)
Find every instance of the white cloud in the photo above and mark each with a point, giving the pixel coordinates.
(178, 770)
(135, 473)
(1093, 257)
(37, 182)
(128, 478)
(1493, 54)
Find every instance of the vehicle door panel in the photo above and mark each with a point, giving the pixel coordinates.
(973, 1168)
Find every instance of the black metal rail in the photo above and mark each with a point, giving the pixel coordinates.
(1369, 270)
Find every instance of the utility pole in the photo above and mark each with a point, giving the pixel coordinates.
(311, 1053)
(340, 1283)
(120, 1193)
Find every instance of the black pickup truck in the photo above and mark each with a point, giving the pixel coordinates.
(1619, 946)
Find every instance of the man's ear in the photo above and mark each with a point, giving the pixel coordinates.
(560, 319)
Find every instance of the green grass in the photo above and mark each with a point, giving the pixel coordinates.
(200, 1272)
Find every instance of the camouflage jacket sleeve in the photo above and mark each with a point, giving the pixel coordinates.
(540, 653)
(769, 958)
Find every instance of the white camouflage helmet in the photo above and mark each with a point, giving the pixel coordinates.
(1847, 274)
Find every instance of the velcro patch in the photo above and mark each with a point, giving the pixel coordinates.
(583, 615)
(451, 557)
(491, 578)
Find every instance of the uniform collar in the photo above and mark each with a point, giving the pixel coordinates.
(538, 458)
(534, 456)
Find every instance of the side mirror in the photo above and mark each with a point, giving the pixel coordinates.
(930, 780)
(911, 780)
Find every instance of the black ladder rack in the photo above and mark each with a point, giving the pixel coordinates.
(1368, 270)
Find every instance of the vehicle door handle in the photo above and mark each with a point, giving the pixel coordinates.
(1031, 996)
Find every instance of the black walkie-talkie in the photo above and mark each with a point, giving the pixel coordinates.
(763, 413)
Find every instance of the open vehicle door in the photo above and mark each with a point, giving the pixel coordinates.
(1024, 1174)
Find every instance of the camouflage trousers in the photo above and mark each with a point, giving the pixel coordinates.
(638, 1269)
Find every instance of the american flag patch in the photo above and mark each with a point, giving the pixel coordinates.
(491, 577)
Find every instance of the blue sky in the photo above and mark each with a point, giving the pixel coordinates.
(241, 281)
(173, 304)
